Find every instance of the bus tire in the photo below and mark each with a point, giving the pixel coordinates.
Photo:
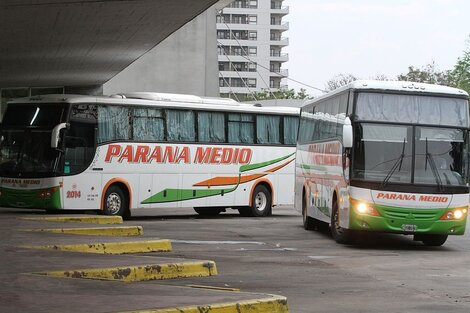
(116, 202)
(208, 211)
(433, 240)
(261, 202)
(308, 222)
(245, 211)
(339, 234)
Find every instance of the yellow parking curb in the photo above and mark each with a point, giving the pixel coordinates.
(95, 231)
(112, 247)
(79, 219)
(274, 304)
(142, 272)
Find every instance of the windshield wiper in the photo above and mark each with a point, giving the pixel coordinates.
(435, 172)
(397, 164)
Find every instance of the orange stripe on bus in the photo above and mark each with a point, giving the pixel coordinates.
(112, 181)
(263, 180)
(233, 180)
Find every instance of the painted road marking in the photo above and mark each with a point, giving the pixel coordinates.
(96, 231)
(273, 304)
(78, 219)
(141, 272)
(112, 247)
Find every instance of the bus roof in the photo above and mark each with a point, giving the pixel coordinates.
(164, 100)
(395, 86)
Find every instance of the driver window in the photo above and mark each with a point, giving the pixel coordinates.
(79, 140)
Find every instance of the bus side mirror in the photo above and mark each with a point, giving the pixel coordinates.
(55, 136)
(347, 133)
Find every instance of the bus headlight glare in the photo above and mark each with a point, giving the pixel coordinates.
(454, 214)
(362, 208)
(458, 214)
(366, 209)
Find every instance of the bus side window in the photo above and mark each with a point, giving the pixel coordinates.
(241, 128)
(341, 116)
(113, 123)
(211, 127)
(148, 124)
(180, 125)
(268, 129)
(291, 125)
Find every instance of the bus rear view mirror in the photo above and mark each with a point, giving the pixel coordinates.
(347, 133)
(55, 136)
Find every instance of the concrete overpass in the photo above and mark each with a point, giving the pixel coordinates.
(84, 42)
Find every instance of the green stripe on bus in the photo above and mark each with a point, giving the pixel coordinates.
(250, 167)
(172, 195)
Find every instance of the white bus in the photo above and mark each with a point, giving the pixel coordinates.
(387, 157)
(146, 150)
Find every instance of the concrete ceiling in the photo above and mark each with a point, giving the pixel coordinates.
(86, 42)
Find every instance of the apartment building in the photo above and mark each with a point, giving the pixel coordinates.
(250, 40)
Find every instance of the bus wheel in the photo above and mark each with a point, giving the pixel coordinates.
(261, 203)
(208, 211)
(433, 240)
(309, 223)
(340, 234)
(115, 202)
(244, 211)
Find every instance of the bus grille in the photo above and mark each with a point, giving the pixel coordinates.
(410, 214)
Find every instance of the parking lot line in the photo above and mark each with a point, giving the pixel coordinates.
(112, 247)
(141, 272)
(273, 304)
(78, 219)
(94, 231)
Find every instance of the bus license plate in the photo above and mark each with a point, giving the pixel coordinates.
(409, 228)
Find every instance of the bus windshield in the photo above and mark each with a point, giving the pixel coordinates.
(25, 142)
(413, 109)
(410, 155)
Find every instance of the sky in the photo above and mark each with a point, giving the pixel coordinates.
(367, 38)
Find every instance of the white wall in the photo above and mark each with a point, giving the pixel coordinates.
(185, 62)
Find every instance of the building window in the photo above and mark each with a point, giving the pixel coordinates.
(251, 82)
(252, 51)
(237, 51)
(252, 35)
(253, 19)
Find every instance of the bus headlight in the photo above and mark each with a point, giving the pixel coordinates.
(455, 214)
(363, 208)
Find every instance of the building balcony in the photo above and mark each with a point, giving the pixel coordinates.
(280, 57)
(279, 41)
(280, 73)
(280, 26)
(239, 90)
(234, 58)
(236, 27)
(234, 74)
(236, 42)
(279, 9)
(245, 10)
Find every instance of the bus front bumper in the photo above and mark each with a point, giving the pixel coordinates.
(48, 198)
(415, 222)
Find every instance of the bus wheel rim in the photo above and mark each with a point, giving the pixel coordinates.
(113, 203)
(260, 201)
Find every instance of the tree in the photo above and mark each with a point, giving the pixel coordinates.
(427, 74)
(339, 81)
(460, 74)
(282, 94)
